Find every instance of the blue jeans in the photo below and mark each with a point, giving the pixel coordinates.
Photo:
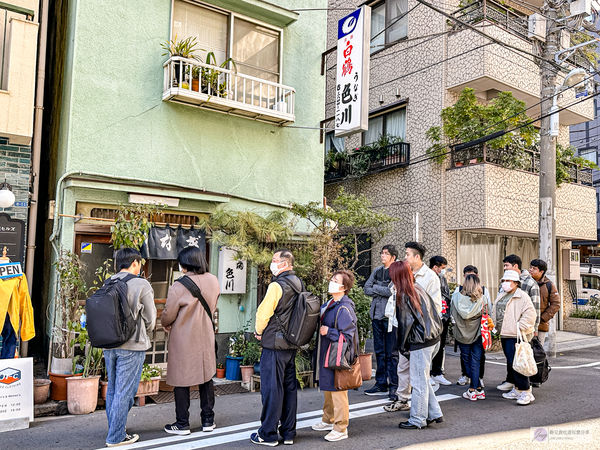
(384, 343)
(471, 355)
(124, 370)
(423, 403)
(9, 340)
(512, 376)
(279, 394)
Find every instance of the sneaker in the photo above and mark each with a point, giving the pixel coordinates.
(322, 426)
(377, 390)
(398, 405)
(129, 439)
(480, 394)
(512, 395)
(256, 439)
(463, 380)
(441, 380)
(505, 386)
(435, 386)
(208, 427)
(176, 429)
(470, 395)
(334, 436)
(525, 398)
(288, 442)
(481, 382)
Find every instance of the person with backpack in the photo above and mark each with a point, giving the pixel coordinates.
(549, 298)
(124, 362)
(188, 318)
(467, 307)
(337, 317)
(277, 361)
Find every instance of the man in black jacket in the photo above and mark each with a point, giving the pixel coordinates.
(277, 362)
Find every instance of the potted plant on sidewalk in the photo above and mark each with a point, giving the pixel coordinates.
(362, 306)
(237, 346)
(251, 356)
(149, 382)
(82, 391)
(220, 371)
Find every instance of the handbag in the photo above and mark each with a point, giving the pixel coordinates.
(338, 355)
(345, 379)
(486, 334)
(524, 361)
(542, 362)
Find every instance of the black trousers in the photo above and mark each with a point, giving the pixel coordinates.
(207, 403)
(437, 362)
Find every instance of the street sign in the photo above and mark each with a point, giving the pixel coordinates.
(581, 94)
(12, 239)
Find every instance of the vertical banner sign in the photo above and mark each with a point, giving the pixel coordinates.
(232, 272)
(352, 78)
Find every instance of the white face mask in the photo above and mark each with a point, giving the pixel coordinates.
(443, 272)
(335, 288)
(274, 268)
(506, 286)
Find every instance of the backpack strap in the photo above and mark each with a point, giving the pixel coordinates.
(125, 279)
(189, 284)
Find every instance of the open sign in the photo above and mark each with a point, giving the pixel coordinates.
(10, 375)
(10, 270)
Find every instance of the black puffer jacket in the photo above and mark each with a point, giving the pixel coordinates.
(416, 329)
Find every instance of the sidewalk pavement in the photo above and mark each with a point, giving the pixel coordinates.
(569, 436)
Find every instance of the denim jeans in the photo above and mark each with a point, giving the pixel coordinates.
(9, 340)
(124, 370)
(470, 354)
(384, 343)
(424, 404)
(521, 382)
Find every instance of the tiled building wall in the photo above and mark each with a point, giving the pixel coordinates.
(15, 165)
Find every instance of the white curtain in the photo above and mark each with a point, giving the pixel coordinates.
(377, 26)
(333, 143)
(395, 123)
(399, 29)
(526, 248)
(256, 50)
(208, 26)
(375, 130)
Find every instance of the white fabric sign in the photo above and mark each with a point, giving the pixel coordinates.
(352, 79)
(232, 272)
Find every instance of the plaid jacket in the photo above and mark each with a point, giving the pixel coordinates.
(530, 286)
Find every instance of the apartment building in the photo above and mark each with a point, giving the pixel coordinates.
(470, 209)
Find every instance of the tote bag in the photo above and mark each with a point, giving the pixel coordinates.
(524, 362)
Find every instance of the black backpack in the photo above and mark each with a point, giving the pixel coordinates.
(539, 354)
(304, 317)
(110, 321)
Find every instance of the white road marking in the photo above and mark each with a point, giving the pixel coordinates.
(209, 439)
(592, 364)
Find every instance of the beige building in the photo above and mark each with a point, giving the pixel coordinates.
(470, 209)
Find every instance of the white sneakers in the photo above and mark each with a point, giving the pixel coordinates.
(470, 395)
(522, 397)
(334, 436)
(513, 394)
(322, 426)
(441, 380)
(463, 380)
(506, 386)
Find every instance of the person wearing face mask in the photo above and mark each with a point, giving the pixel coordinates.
(438, 265)
(337, 317)
(192, 359)
(513, 308)
(277, 360)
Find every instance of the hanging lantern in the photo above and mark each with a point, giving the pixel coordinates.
(7, 198)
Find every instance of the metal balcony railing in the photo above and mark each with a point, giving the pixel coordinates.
(225, 90)
(528, 160)
(494, 12)
(359, 164)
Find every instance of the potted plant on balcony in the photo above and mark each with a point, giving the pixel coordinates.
(183, 48)
(209, 78)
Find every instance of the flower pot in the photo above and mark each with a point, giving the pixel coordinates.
(366, 365)
(82, 394)
(195, 84)
(232, 368)
(58, 389)
(41, 389)
(148, 387)
(103, 389)
(221, 373)
(62, 366)
(247, 372)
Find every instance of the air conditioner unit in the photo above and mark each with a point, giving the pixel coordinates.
(537, 27)
(580, 7)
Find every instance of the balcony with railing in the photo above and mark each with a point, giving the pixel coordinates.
(359, 164)
(227, 91)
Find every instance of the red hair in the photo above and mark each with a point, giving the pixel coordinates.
(404, 281)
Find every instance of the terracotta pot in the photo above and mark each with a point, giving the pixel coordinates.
(366, 365)
(195, 84)
(58, 390)
(82, 394)
(103, 389)
(247, 372)
(41, 389)
(148, 387)
(221, 373)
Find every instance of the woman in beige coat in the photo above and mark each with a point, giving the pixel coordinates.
(191, 358)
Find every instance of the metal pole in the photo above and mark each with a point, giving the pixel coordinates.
(547, 193)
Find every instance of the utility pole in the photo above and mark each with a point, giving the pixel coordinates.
(547, 192)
